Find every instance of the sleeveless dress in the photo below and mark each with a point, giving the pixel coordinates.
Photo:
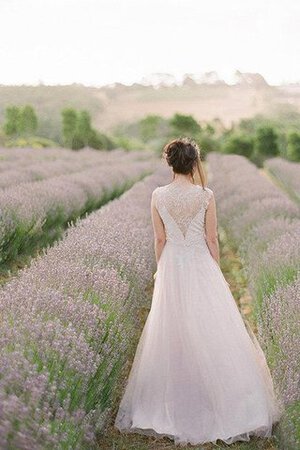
(199, 374)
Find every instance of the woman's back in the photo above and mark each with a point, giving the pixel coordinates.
(182, 207)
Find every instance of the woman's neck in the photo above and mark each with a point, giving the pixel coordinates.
(180, 178)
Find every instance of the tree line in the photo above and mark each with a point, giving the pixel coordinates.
(256, 138)
(77, 130)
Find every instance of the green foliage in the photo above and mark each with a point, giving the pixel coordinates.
(20, 121)
(256, 138)
(84, 127)
(250, 125)
(266, 141)
(153, 131)
(12, 118)
(48, 101)
(208, 143)
(240, 144)
(100, 141)
(184, 125)
(209, 129)
(149, 127)
(78, 132)
(29, 141)
(147, 133)
(28, 121)
(293, 146)
(69, 117)
(129, 143)
(284, 120)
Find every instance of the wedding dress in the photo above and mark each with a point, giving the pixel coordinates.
(198, 373)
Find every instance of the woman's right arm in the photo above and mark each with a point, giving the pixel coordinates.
(211, 229)
(158, 229)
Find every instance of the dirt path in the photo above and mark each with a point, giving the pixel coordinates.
(265, 173)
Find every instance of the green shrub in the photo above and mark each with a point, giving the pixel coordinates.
(240, 144)
(293, 146)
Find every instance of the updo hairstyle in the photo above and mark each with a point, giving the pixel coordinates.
(183, 155)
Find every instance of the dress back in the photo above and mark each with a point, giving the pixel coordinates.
(182, 209)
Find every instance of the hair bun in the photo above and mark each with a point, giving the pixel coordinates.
(181, 154)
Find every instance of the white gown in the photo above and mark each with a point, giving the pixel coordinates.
(198, 374)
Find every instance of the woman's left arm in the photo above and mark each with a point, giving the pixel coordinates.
(158, 229)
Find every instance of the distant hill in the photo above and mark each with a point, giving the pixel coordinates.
(206, 98)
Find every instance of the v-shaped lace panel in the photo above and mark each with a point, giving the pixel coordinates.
(184, 235)
(184, 203)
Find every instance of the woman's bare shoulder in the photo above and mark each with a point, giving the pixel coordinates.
(159, 188)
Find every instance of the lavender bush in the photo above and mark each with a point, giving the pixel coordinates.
(281, 337)
(67, 324)
(287, 174)
(35, 212)
(27, 165)
(264, 226)
(11, 158)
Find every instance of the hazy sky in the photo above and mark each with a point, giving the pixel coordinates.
(97, 42)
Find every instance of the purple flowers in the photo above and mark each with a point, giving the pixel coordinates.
(35, 211)
(67, 323)
(264, 225)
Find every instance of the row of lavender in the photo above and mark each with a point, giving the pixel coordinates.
(35, 213)
(287, 173)
(67, 324)
(28, 165)
(264, 225)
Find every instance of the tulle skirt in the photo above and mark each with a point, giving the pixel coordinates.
(199, 374)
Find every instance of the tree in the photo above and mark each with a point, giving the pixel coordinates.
(28, 121)
(20, 121)
(239, 144)
(78, 132)
(209, 129)
(149, 126)
(266, 143)
(100, 141)
(208, 143)
(84, 127)
(69, 116)
(12, 120)
(293, 146)
(185, 124)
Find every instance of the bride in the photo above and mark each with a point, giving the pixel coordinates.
(198, 374)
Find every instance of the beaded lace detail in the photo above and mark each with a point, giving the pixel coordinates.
(183, 202)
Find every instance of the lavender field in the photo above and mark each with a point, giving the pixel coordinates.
(66, 324)
(39, 197)
(263, 224)
(69, 320)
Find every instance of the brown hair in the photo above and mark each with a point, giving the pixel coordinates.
(183, 155)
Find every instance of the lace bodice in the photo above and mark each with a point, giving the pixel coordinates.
(182, 209)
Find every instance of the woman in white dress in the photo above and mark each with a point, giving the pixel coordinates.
(198, 374)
